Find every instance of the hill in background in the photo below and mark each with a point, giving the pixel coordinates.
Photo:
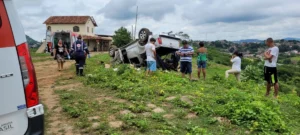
(31, 42)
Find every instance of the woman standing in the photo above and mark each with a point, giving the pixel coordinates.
(201, 60)
(236, 65)
(59, 54)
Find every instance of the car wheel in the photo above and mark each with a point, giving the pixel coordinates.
(143, 36)
(112, 50)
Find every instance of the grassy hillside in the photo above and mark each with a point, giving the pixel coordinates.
(31, 41)
(127, 102)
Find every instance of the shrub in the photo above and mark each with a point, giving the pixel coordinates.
(254, 73)
(285, 88)
(253, 114)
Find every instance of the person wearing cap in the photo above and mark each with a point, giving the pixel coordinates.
(186, 52)
(80, 50)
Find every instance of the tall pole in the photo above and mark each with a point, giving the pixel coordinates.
(132, 32)
(137, 9)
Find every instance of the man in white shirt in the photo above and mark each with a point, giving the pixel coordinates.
(151, 53)
(270, 70)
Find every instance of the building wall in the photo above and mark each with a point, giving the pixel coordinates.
(69, 27)
(91, 26)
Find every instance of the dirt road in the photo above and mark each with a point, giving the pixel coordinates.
(47, 74)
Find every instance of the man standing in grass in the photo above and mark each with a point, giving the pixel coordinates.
(270, 70)
(186, 52)
(151, 53)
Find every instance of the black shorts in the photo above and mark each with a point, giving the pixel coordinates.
(186, 67)
(270, 72)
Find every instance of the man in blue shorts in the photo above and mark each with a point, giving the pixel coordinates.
(151, 53)
(186, 52)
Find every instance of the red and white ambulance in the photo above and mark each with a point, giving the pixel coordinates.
(21, 112)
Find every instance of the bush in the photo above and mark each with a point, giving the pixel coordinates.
(255, 115)
(285, 88)
(254, 73)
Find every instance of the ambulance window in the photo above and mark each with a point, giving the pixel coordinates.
(6, 35)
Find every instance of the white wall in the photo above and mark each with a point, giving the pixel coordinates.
(69, 27)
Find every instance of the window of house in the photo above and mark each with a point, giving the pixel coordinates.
(88, 29)
(76, 29)
(49, 28)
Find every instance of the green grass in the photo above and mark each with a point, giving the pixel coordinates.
(106, 93)
(39, 57)
(295, 58)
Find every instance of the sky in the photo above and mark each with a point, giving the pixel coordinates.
(201, 19)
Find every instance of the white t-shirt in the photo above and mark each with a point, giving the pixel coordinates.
(273, 51)
(236, 63)
(149, 48)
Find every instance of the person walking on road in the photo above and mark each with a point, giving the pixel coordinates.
(59, 54)
(186, 52)
(236, 66)
(201, 60)
(270, 67)
(151, 57)
(80, 50)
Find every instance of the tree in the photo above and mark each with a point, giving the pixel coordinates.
(122, 37)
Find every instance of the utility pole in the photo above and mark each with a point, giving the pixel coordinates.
(132, 32)
(137, 9)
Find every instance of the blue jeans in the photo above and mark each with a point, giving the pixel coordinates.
(151, 65)
(201, 64)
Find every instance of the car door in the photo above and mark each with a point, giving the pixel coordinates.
(13, 116)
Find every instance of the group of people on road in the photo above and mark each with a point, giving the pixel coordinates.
(79, 52)
(186, 53)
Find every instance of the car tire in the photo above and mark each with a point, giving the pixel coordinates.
(112, 50)
(143, 36)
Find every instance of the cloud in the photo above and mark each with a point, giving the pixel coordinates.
(201, 19)
(126, 9)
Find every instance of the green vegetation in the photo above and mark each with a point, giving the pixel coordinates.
(38, 57)
(31, 41)
(214, 106)
(122, 37)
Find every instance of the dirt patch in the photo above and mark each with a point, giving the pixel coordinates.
(111, 118)
(93, 118)
(151, 106)
(186, 100)
(68, 86)
(115, 124)
(191, 116)
(107, 66)
(168, 116)
(47, 74)
(95, 125)
(170, 98)
(158, 110)
(146, 114)
(223, 120)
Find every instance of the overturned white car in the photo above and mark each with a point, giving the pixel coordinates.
(134, 52)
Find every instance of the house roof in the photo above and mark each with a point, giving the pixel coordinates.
(69, 20)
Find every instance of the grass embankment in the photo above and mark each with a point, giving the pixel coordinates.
(127, 102)
(39, 57)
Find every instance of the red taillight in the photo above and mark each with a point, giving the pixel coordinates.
(159, 41)
(28, 74)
